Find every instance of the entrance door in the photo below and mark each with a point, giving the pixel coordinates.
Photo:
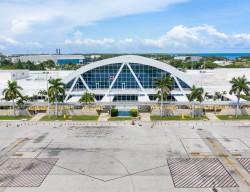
(97, 85)
(123, 85)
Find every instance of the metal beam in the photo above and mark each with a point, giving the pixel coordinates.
(113, 82)
(138, 82)
(71, 88)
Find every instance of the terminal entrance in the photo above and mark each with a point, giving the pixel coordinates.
(125, 98)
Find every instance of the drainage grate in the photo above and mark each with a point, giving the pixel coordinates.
(199, 173)
(245, 162)
(25, 172)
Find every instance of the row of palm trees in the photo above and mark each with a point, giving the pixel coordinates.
(56, 93)
(13, 92)
(166, 83)
(164, 86)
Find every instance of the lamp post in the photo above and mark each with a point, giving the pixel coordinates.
(46, 78)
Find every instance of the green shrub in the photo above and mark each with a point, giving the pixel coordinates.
(133, 112)
(114, 112)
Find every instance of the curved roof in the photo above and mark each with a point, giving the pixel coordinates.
(130, 59)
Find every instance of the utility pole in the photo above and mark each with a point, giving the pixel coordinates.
(46, 78)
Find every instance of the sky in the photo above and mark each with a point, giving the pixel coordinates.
(124, 26)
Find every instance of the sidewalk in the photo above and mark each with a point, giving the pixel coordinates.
(103, 117)
(212, 117)
(38, 116)
(145, 116)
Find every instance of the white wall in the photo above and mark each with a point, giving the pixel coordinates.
(228, 74)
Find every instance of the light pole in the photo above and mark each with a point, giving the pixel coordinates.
(46, 78)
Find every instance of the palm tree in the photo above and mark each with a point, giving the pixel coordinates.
(87, 97)
(217, 96)
(56, 90)
(20, 102)
(158, 96)
(42, 92)
(164, 85)
(223, 94)
(196, 94)
(12, 92)
(239, 84)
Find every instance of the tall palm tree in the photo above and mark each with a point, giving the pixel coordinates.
(56, 90)
(196, 95)
(217, 96)
(158, 96)
(87, 97)
(239, 84)
(164, 85)
(12, 92)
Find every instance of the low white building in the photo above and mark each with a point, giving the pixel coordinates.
(42, 58)
(223, 63)
(12, 75)
(188, 58)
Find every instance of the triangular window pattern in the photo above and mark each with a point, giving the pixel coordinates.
(79, 86)
(125, 80)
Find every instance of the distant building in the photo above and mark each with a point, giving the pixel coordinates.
(58, 59)
(188, 58)
(223, 63)
(95, 56)
(13, 75)
(73, 59)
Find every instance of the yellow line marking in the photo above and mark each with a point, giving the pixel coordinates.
(228, 161)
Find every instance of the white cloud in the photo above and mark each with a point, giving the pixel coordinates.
(179, 38)
(8, 40)
(204, 37)
(30, 14)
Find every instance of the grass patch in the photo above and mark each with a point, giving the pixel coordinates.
(74, 118)
(176, 118)
(232, 117)
(120, 118)
(15, 118)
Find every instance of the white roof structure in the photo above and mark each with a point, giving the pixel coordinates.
(130, 59)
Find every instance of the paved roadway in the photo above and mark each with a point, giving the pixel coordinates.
(111, 156)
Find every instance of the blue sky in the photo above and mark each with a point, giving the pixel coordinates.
(118, 26)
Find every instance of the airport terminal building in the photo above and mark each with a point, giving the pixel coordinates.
(125, 79)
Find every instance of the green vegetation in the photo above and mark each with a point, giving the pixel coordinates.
(11, 93)
(56, 90)
(164, 87)
(247, 98)
(114, 112)
(120, 118)
(133, 112)
(87, 98)
(205, 62)
(74, 118)
(196, 94)
(231, 117)
(15, 118)
(176, 118)
(239, 85)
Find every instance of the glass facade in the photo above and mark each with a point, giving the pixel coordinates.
(102, 77)
(98, 78)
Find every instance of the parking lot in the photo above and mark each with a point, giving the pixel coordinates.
(168, 156)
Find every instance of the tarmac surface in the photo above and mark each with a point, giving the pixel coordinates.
(174, 156)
